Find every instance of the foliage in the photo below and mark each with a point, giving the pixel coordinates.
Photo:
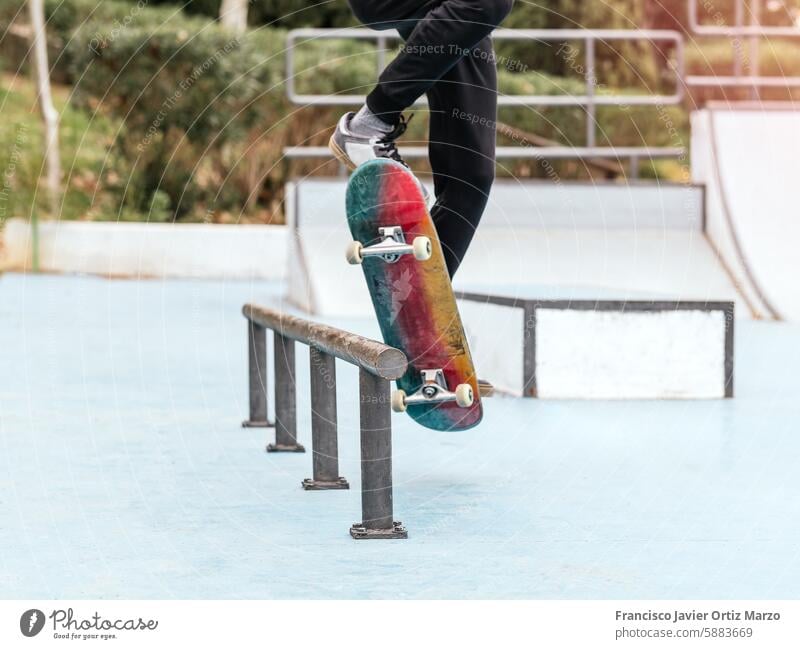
(185, 94)
(171, 116)
(776, 57)
(107, 18)
(84, 143)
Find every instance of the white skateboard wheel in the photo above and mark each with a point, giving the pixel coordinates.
(422, 248)
(399, 401)
(464, 395)
(353, 253)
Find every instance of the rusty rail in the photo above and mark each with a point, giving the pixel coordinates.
(378, 364)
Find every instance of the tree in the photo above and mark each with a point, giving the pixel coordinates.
(49, 113)
(233, 14)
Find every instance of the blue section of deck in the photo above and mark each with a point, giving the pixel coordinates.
(124, 472)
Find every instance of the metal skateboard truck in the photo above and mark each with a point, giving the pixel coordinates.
(391, 247)
(433, 390)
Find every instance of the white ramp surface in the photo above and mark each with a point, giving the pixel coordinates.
(573, 240)
(320, 279)
(748, 159)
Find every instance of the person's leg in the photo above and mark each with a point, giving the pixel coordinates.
(443, 31)
(362, 136)
(392, 14)
(440, 36)
(463, 114)
(402, 15)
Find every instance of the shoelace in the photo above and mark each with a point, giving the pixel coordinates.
(387, 142)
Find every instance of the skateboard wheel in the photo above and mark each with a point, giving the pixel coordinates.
(422, 248)
(464, 395)
(353, 253)
(399, 401)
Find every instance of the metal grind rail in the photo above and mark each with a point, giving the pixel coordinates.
(378, 365)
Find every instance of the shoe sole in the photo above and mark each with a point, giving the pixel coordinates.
(340, 155)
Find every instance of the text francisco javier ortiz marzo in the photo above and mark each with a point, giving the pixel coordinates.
(66, 620)
(698, 616)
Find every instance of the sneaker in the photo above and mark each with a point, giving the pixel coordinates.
(353, 150)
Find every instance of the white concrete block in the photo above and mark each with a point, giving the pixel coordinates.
(151, 249)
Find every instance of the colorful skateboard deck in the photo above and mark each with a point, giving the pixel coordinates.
(413, 299)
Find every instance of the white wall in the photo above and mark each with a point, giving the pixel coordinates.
(607, 352)
(630, 355)
(150, 249)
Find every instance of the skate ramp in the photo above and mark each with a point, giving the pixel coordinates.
(537, 240)
(747, 157)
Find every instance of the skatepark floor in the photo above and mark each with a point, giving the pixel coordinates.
(125, 472)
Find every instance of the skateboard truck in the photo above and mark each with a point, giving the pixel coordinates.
(391, 247)
(433, 390)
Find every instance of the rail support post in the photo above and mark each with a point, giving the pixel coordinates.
(285, 398)
(376, 463)
(257, 363)
(324, 428)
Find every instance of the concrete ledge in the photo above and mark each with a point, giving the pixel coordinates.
(198, 251)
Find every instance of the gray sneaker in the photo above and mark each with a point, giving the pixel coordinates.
(353, 150)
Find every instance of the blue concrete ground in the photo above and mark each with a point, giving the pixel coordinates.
(124, 472)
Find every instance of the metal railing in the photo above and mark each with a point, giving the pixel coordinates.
(590, 99)
(754, 32)
(529, 320)
(378, 364)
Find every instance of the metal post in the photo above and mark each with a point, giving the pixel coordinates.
(324, 442)
(529, 351)
(634, 170)
(381, 53)
(285, 398)
(737, 40)
(376, 463)
(257, 363)
(591, 82)
(755, 21)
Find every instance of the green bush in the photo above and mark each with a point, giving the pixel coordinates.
(200, 117)
(778, 58)
(557, 123)
(64, 18)
(618, 63)
(186, 94)
(336, 66)
(83, 141)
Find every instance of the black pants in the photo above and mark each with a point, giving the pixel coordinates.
(448, 56)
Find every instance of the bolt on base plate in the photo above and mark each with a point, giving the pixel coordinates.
(309, 484)
(396, 531)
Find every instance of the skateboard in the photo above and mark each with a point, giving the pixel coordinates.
(395, 242)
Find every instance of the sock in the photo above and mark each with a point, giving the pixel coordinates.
(365, 123)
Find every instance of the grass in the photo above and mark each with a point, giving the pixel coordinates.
(84, 142)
